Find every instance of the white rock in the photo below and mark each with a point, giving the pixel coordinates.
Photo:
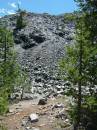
(67, 120)
(34, 117)
(27, 128)
(59, 105)
(11, 110)
(33, 128)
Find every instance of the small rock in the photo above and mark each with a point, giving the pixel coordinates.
(58, 87)
(58, 105)
(42, 101)
(27, 128)
(61, 115)
(34, 117)
(38, 80)
(24, 123)
(11, 110)
(35, 128)
(67, 120)
(60, 92)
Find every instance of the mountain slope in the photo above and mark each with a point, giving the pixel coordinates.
(40, 45)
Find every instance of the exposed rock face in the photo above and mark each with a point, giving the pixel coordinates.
(39, 47)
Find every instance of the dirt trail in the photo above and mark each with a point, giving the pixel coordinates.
(20, 112)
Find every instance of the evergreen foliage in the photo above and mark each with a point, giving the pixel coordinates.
(8, 68)
(70, 17)
(79, 66)
(10, 72)
(20, 23)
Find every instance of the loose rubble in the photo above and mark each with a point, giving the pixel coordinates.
(39, 47)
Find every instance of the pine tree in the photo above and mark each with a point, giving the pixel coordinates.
(80, 62)
(7, 72)
(73, 66)
(10, 72)
(89, 8)
(7, 57)
(20, 23)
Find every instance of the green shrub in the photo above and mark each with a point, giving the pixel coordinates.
(2, 127)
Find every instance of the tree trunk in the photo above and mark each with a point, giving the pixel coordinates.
(5, 48)
(78, 120)
(80, 82)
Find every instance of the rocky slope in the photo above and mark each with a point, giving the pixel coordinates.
(39, 47)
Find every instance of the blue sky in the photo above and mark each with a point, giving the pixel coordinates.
(38, 6)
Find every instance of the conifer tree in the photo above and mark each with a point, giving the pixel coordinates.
(20, 23)
(73, 66)
(10, 72)
(79, 64)
(7, 58)
(89, 8)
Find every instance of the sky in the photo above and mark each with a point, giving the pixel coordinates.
(53, 7)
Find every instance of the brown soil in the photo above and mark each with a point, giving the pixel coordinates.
(22, 110)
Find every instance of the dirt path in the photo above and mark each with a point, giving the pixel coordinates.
(19, 113)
